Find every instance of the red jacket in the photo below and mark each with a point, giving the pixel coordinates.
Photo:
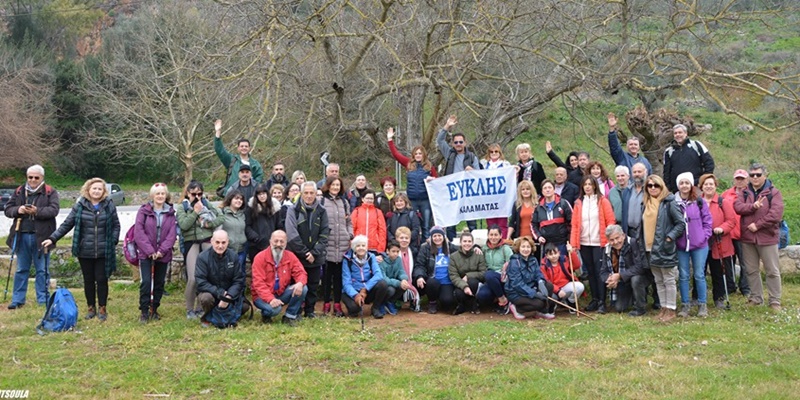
(725, 218)
(369, 221)
(731, 195)
(290, 271)
(558, 275)
(606, 218)
(767, 218)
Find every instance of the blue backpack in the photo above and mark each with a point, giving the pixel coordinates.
(61, 313)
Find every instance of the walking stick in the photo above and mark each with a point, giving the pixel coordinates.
(11, 263)
(724, 273)
(361, 315)
(578, 312)
(572, 278)
(152, 280)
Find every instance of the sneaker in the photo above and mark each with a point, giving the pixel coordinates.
(412, 304)
(460, 309)
(513, 309)
(547, 316)
(144, 318)
(593, 306)
(775, 306)
(337, 310)
(204, 323)
(326, 309)
(191, 315)
(694, 303)
(432, 308)
(572, 312)
(601, 309)
(102, 315)
(266, 319)
(14, 306)
(668, 316)
(377, 313)
(719, 304)
(475, 309)
(685, 308)
(391, 309)
(502, 310)
(637, 312)
(290, 322)
(91, 313)
(702, 311)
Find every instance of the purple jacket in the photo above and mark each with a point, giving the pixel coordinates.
(144, 234)
(698, 225)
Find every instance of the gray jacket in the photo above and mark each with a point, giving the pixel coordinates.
(669, 224)
(338, 210)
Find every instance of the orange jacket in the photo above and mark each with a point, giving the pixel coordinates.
(606, 218)
(369, 221)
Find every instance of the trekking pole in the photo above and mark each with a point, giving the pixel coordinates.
(578, 312)
(11, 263)
(361, 315)
(572, 278)
(724, 272)
(152, 280)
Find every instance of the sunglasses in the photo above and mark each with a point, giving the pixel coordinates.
(752, 175)
(159, 184)
(34, 178)
(653, 185)
(458, 142)
(494, 151)
(196, 194)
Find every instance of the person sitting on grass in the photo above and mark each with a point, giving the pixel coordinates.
(278, 279)
(362, 280)
(407, 256)
(622, 270)
(395, 277)
(526, 288)
(497, 255)
(220, 281)
(430, 271)
(467, 269)
(562, 274)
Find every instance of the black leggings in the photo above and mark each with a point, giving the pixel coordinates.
(332, 276)
(468, 302)
(94, 280)
(591, 257)
(376, 296)
(441, 294)
(145, 267)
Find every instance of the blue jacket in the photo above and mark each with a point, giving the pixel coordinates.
(622, 157)
(415, 180)
(523, 277)
(355, 278)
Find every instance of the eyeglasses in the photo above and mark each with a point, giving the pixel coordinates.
(494, 151)
(34, 178)
(653, 185)
(752, 175)
(458, 142)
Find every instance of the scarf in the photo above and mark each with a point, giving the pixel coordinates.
(527, 168)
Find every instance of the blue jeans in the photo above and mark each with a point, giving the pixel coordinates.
(491, 290)
(698, 259)
(423, 207)
(27, 249)
(292, 311)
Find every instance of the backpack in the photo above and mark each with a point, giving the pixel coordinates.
(785, 239)
(228, 317)
(61, 313)
(129, 249)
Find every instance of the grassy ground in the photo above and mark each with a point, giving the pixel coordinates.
(739, 354)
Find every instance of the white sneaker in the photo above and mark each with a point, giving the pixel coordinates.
(514, 312)
(547, 316)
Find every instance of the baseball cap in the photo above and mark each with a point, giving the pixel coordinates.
(740, 173)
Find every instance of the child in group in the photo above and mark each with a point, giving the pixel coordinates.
(395, 276)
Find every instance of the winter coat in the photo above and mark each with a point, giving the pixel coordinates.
(605, 215)
(691, 156)
(449, 154)
(560, 275)
(631, 261)
(217, 274)
(467, 264)
(193, 229)
(384, 203)
(44, 221)
(96, 231)
(669, 224)
(730, 195)
(234, 223)
(522, 277)
(275, 180)
(307, 231)
(338, 210)
(622, 157)
(570, 193)
(393, 272)
(698, 224)
(555, 224)
(232, 162)
(146, 232)
(408, 218)
(415, 179)
(537, 175)
(722, 217)
(425, 261)
(356, 277)
(290, 271)
(369, 221)
(767, 218)
(259, 225)
(497, 257)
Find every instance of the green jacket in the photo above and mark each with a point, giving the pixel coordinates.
(393, 272)
(234, 223)
(190, 224)
(228, 158)
(468, 264)
(497, 257)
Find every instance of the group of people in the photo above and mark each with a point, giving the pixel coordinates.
(623, 236)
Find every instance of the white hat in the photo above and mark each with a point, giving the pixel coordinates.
(685, 176)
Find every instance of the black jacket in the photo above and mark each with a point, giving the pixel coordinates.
(409, 219)
(692, 156)
(98, 233)
(425, 261)
(574, 175)
(570, 192)
(669, 224)
(259, 225)
(44, 222)
(217, 274)
(631, 261)
(554, 226)
(307, 231)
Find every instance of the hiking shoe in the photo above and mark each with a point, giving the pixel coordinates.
(476, 310)
(290, 322)
(204, 323)
(685, 308)
(412, 304)
(14, 306)
(753, 303)
(637, 312)
(377, 313)
(702, 311)
(601, 309)
(719, 303)
(668, 316)
(266, 319)
(513, 309)
(502, 310)
(694, 303)
(91, 313)
(102, 315)
(460, 309)
(593, 306)
(391, 309)
(547, 316)
(144, 318)
(775, 306)
(326, 309)
(191, 315)
(432, 309)
(656, 306)
(337, 310)
(155, 316)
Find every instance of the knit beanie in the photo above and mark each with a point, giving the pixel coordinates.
(438, 229)
(685, 176)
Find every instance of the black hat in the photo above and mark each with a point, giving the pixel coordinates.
(244, 167)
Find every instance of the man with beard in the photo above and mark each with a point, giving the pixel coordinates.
(278, 176)
(279, 279)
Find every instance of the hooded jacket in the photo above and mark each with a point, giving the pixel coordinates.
(356, 277)
(523, 276)
(407, 218)
(146, 236)
(369, 221)
(722, 217)
(605, 215)
(555, 225)
(767, 218)
(669, 224)
(466, 264)
(560, 275)
(234, 223)
(691, 156)
(698, 224)
(338, 210)
(260, 225)
(290, 271)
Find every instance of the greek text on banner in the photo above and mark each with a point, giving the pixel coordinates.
(471, 195)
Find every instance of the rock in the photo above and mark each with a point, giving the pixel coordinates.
(703, 128)
(744, 128)
(789, 260)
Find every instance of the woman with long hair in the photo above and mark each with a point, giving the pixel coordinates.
(662, 224)
(526, 288)
(431, 276)
(262, 217)
(154, 235)
(497, 254)
(234, 221)
(591, 215)
(338, 209)
(420, 170)
(94, 242)
(519, 223)
(403, 215)
(599, 173)
(356, 193)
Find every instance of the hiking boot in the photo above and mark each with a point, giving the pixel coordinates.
(14, 306)
(391, 309)
(719, 304)
(266, 319)
(377, 313)
(326, 309)
(155, 315)
(601, 309)
(102, 315)
(685, 308)
(513, 309)
(337, 310)
(547, 316)
(637, 312)
(593, 306)
(311, 315)
(668, 316)
(702, 311)
(460, 309)
(91, 313)
(432, 309)
(144, 318)
(775, 306)
(290, 322)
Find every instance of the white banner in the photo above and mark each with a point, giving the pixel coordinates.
(471, 195)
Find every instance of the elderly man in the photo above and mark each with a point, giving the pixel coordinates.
(233, 162)
(33, 207)
(623, 271)
(739, 184)
(278, 279)
(761, 206)
(331, 171)
(564, 188)
(620, 157)
(278, 176)
(619, 192)
(457, 159)
(685, 155)
(307, 231)
(220, 280)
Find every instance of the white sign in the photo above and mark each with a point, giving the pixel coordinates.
(471, 195)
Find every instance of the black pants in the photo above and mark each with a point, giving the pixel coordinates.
(314, 273)
(145, 268)
(332, 276)
(451, 230)
(376, 296)
(591, 257)
(717, 283)
(465, 301)
(436, 292)
(744, 286)
(393, 294)
(634, 291)
(94, 280)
